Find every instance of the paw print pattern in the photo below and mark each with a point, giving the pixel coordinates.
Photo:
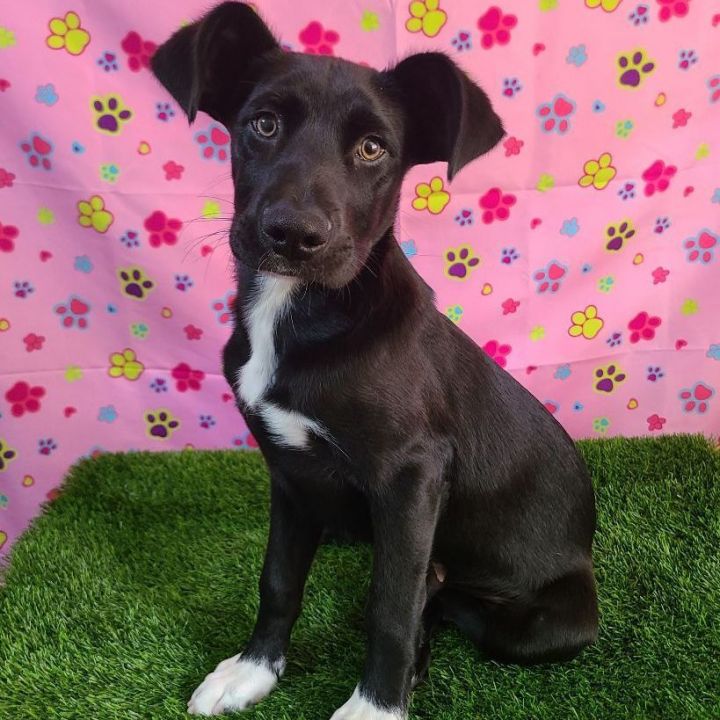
(618, 234)
(68, 34)
(497, 351)
(607, 378)
(163, 229)
(214, 143)
(93, 214)
(7, 455)
(495, 27)
(125, 364)
(654, 373)
(607, 5)
(464, 217)
(697, 398)
(509, 255)
(108, 61)
(427, 17)
(223, 307)
(73, 313)
(643, 326)
(462, 41)
(160, 423)
(139, 51)
(633, 68)
(657, 177)
(586, 323)
(640, 15)
(38, 151)
(714, 87)
(686, 59)
(109, 113)
(134, 283)
(555, 115)
(550, 278)
(598, 173)
(460, 261)
(431, 196)
(496, 205)
(206, 421)
(701, 249)
(316, 40)
(511, 87)
(673, 8)
(455, 313)
(601, 425)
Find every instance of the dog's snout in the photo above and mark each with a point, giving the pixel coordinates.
(294, 233)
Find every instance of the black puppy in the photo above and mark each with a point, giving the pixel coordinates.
(378, 418)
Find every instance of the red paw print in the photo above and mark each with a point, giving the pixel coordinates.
(673, 8)
(139, 51)
(657, 177)
(317, 40)
(6, 178)
(496, 205)
(655, 422)
(38, 151)
(33, 342)
(497, 351)
(186, 378)
(696, 399)
(642, 327)
(192, 332)
(162, 229)
(24, 398)
(8, 233)
(495, 27)
(173, 171)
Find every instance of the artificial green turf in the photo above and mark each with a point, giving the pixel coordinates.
(143, 575)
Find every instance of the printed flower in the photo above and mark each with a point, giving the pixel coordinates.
(598, 173)
(510, 306)
(659, 275)
(186, 378)
(317, 40)
(93, 214)
(67, 33)
(173, 171)
(24, 397)
(125, 364)
(498, 352)
(512, 146)
(431, 196)
(655, 422)
(139, 51)
(426, 16)
(8, 234)
(495, 27)
(496, 205)
(586, 323)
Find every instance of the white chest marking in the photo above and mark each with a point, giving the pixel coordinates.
(358, 708)
(272, 299)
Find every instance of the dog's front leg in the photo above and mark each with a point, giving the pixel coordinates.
(246, 678)
(404, 516)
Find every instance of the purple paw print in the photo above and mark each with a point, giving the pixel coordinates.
(686, 59)
(661, 225)
(459, 263)
(614, 340)
(627, 191)
(46, 446)
(214, 143)
(131, 239)
(640, 15)
(22, 288)
(38, 150)
(110, 114)
(164, 111)
(462, 41)
(654, 373)
(108, 61)
(183, 282)
(464, 217)
(207, 421)
(633, 68)
(159, 385)
(160, 424)
(511, 87)
(509, 255)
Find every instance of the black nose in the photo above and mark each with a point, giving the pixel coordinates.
(296, 234)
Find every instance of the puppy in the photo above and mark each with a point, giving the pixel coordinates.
(379, 419)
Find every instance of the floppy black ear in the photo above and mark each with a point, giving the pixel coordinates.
(448, 116)
(209, 65)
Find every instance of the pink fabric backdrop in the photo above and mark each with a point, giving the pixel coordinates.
(582, 253)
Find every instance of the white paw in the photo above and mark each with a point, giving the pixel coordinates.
(358, 708)
(235, 684)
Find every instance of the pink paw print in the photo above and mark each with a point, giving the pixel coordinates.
(673, 8)
(214, 142)
(38, 151)
(317, 40)
(642, 326)
(496, 205)
(550, 278)
(696, 399)
(139, 51)
(162, 229)
(223, 307)
(657, 177)
(495, 27)
(655, 422)
(701, 248)
(186, 378)
(497, 351)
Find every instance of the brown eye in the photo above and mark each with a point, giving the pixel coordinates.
(370, 149)
(265, 125)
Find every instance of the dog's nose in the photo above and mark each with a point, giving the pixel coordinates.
(296, 234)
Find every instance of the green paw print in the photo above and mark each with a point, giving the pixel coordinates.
(46, 216)
(109, 172)
(211, 209)
(7, 38)
(605, 284)
(455, 313)
(623, 128)
(140, 330)
(601, 425)
(370, 21)
(545, 183)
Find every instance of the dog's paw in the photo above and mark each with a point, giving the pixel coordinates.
(358, 708)
(235, 684)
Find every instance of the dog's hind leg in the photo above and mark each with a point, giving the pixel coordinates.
(432, 614)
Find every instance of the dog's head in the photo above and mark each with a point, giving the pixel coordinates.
(319, 145)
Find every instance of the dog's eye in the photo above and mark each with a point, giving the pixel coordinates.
(370, 149)
(265, 124)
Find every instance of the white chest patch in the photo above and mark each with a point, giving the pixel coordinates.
(358, 708)
(272, 299)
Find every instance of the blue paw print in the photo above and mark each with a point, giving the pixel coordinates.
(46, 95)
(577, 56)
(111, 308)
(511, 87)
(586, 268)
(214, 142)
(107, 414)
(464, 217)
(22, 288)
(686, 59)
(159, 385)
(83, 264)
(77, 148)
(615, 339)
(130, 239)
(598, 106)
(46, 446)
(570, 227)
(713, 352)
(661, 225)
(578, 406)
(183, 282)
(627, 191)
(207, 421)
(108, 61)
(164, 111)
(563, 372)
(408, 247)
(462, 41)
(509, 255)
(716, 196)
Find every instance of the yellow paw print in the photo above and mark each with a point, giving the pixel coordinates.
(598, 173)
(160, 424)
(606, 5)
(460, 262)
(125, 364)
(432, 197)
(633, 68)
(134, 282)
(586, 323)
(67, 33)
(93, 214)
(426, 16)
(110, 114)
(7, 455)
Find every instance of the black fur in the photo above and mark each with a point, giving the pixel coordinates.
(436, 454)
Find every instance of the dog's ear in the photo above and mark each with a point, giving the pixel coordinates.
(209, 65)
(448, 116)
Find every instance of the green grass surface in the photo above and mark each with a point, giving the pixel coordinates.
(143, 575)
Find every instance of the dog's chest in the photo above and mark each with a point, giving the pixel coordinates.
(270, 301)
